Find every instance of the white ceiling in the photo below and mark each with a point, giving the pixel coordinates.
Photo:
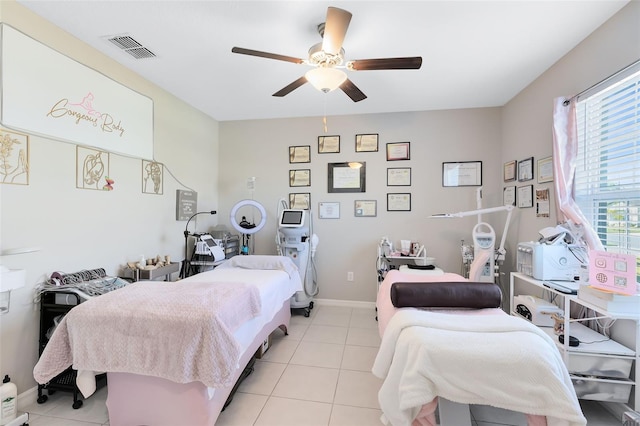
(475, 53)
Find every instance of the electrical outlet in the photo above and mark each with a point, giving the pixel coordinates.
(349, 276)
(251, 183)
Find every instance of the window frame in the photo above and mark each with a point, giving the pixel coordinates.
(598, 170)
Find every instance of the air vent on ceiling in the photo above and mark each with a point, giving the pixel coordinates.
(131, 46)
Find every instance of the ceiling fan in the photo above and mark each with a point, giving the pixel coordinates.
(327, 59)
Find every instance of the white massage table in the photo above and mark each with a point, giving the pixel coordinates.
(173, 392)
(466, 356)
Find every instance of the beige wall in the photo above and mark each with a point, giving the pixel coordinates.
(527, 118)
(349, 244)
(83, 229)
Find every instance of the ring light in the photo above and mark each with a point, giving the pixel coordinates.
(236, 225)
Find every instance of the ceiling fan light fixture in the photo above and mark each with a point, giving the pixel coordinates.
(317, 56)
(326, 79)
(326, 59)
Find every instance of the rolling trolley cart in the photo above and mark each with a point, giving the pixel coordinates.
(53, 306)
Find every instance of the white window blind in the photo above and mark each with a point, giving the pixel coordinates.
(607, 185)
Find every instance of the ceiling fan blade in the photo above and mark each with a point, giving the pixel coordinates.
(352, 91)
(410, 63)
(335, 29)
(291, 87)
(267, 55)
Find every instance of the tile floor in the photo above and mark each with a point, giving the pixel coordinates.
(317, 375)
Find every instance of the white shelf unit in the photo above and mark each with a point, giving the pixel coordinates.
(602, 369)
(397, 261)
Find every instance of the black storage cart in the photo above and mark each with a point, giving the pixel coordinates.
(53, 306)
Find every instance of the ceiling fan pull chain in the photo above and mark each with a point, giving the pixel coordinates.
(324, 119)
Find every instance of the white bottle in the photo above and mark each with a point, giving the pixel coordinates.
(9, 400)
(386, 247)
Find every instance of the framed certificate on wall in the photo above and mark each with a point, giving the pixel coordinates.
(398, 151)
(545, 170)
(399, 202)
(365, 208)
(525, 196)
(300, 201)
(346, 177)
(509, 172)
(525, 169)
(329, 210)
(462, 173)
(367, 143)
(399, 176)
(300, 177)
(300, 154)
(509, 196)
(328, 144)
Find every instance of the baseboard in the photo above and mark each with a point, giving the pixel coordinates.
(345, 303)
(28, 397)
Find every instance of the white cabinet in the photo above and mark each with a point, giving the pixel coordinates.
(601, 368)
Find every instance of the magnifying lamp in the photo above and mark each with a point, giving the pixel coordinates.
(508, 209)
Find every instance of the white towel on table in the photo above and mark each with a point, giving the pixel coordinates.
(496, 360)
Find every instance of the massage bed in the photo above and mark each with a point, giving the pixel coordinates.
(449, 342)
(173, 352)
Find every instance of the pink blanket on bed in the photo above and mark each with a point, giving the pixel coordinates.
(178, 331)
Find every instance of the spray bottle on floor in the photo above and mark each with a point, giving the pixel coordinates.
(9, 400)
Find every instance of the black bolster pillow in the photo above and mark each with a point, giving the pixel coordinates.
(463, 294)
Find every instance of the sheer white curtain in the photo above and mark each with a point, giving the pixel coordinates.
(565, 149)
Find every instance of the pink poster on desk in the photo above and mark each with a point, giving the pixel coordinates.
(614, 272)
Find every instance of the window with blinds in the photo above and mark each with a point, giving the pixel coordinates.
(607, 185)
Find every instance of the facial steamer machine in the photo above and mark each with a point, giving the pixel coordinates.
(296, 240)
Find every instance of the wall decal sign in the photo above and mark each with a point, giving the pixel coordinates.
(152, 177)
(92, 169)
(14, 158)
(49, 94)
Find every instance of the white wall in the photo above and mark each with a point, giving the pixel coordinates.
(260, 148)
(83, 229)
